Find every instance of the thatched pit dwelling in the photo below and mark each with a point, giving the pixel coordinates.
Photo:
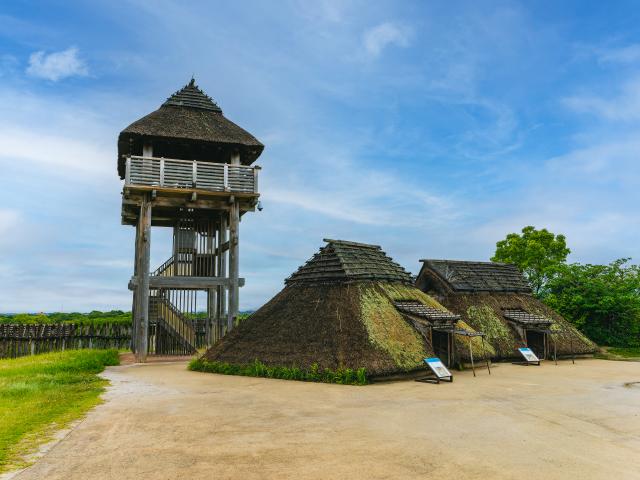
(496, 299)
(349, 306)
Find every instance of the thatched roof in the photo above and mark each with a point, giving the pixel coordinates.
(338, 310)
(495, 298)
(425, 312)
(497, 314)
(341, 261)
(189, 115)
(463, 276)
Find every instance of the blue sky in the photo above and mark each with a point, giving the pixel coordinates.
(430, 128)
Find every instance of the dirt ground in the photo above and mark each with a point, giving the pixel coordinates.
(555, 422)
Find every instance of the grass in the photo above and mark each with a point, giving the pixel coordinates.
(343, 376)
(41, 393)
(620, 353)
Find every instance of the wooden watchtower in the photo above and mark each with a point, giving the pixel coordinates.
(186, 167)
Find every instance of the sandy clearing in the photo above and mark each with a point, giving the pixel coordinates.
(552, 422)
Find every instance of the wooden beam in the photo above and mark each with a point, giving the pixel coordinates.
(222, 248)
(186, 192)
(185, 282)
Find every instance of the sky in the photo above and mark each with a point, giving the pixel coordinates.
(430, 128)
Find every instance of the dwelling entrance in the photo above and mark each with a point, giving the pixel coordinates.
(441, 341)
(536, 341)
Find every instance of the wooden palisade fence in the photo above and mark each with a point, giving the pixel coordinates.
(18, 340)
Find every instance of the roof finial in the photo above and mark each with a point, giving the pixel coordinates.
(193, 81)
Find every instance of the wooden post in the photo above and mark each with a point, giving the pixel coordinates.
(142, 294)
(134, 306)
(484, 352)
(234, 263)
(473, 367)
(222, 272)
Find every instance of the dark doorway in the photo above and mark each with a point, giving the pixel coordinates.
(441, 346)
(535, 341)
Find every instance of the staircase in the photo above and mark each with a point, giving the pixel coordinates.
(174, 332)
(187, 264)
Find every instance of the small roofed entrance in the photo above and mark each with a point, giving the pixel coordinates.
(436, 327)
(441, 343)
(537, 341)
(533, 329)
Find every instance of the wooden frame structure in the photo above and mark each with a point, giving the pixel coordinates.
(210, 219)
(201, 193)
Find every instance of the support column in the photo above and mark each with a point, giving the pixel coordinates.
(234, 250)
(222, 272)
(142, 293)
(234, 263)
(134, 306)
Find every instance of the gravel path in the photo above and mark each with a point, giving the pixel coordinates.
(160, 421)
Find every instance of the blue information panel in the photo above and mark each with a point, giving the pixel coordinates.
(528, 355)
(437, 367)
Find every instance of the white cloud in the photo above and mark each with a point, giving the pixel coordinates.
(57, 65)
(64, 155)
(628, 54)
(8, 220)
(376, 39)
(623, 106)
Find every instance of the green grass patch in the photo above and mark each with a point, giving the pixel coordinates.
(44, 392)
(386, 327)
(343, 376)
(620, 353)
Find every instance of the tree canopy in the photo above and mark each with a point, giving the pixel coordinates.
(603, 301)
(538, 254)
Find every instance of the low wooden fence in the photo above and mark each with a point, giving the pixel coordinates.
(21, 340)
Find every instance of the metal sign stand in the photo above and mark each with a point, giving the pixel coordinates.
(438, 370)
(530, 358)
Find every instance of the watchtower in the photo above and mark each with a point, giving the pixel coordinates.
(188, 168)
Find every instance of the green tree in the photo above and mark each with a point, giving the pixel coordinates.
(538, 254)
(603, 301)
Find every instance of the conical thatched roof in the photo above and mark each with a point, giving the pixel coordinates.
(189, 115)
(338, 310)
(342, 261)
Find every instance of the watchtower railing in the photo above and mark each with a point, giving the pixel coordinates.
(191, 174)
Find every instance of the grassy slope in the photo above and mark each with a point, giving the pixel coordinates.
(45, 391)
(620, 353)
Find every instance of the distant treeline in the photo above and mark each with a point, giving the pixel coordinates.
(96, 317)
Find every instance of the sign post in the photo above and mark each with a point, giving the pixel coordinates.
(529, 357)
(440, 372)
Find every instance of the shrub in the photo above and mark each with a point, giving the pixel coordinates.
(342, 376)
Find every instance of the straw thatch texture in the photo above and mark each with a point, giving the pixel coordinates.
(350, 325)
(342, 261)
(484, 311)
(341, 325)
(493, 298)
(340, 310)
(188, 116)
(464, 276)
